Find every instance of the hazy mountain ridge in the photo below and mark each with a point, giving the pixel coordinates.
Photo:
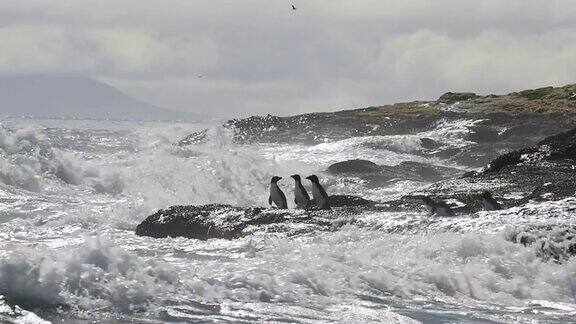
(67, 96)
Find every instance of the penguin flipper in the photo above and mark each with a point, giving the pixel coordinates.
(270, 200)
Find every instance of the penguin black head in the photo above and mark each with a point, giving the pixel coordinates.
(295, 177)
(313, 178)
(275, 179)
(487, 195)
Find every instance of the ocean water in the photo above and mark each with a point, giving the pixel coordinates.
(72, 193)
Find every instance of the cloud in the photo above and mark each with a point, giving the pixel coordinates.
(31, 49)
(258, 56)
(134, 53)
(101, 51)
(490, 61)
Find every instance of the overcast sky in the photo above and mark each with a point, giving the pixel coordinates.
(259, 56)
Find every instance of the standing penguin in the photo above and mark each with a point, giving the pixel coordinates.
(437, 208)
(301, 197)
(489, 202)
(276, 194)
(320, 196)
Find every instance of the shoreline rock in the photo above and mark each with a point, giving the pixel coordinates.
(378, 175)
(546, 171)
(502, 123)
(543, 172)
(535, 128)
(229, 222)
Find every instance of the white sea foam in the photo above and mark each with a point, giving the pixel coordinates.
(385, 150)
(28, 161)
(95, 274)
(68, 237)
(17, 315)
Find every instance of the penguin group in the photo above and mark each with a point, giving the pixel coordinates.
(438, 208)
(301, 197)
(322, 201)
(441, 208)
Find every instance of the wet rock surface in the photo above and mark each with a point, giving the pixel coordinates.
(453, 97)
(556, 243)
(512, 137)
(378, 175)
(546, 171)
(229, 222)
(535, 185)
(502, 123)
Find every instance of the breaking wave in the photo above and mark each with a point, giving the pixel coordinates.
(77, 252)
(29, 162)
(94, 275)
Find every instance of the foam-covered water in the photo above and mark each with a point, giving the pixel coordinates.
(72, 193)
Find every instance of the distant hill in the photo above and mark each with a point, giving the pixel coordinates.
(44, 96)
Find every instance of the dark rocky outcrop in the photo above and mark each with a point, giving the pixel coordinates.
(196, 222)
(352, 202)
(452, 97)
(379, 175)
(354, 167)
(428, 143)
(540, 93)
(315, 128)
(552, 149)
(556, 243)
(513, 136)
(503, 123)
(229, 222)
(546, 171)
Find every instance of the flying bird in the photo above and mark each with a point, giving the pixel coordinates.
(293, 7)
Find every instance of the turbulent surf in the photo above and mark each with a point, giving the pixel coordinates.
(72, 194)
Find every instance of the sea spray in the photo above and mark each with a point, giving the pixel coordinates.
(94, 274)
(69, 244)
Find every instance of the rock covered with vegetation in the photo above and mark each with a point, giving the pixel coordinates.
(502, 122)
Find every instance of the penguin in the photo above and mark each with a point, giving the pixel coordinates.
(437, 208)
(301, 197)
(276, 194)
(320, 196)
(489, 202)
